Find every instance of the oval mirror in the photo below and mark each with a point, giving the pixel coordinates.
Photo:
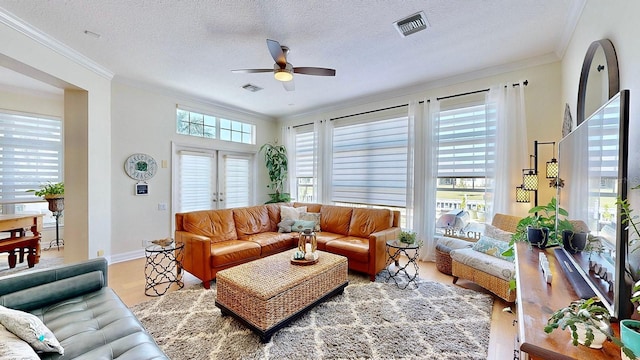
(599, 79)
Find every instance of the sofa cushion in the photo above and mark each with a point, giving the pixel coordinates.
(365, 222)
(486, 263)
(272, 242)
(14, 348)
(218, 225)
(354, 248)
(324, 237)
(30, 329)
(251, 220)
(231, 252)
(274, 215)
(497, 233)
(454, 243)
(311, 207)
(335, 219)
(98, 323)
(492, 247)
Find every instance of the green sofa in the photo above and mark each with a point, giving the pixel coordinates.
(86, 316)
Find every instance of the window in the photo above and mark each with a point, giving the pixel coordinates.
(30, 155)
(304, 164)
(466, 155)
(236, 131)
(208, 126)
(194, 124)
(370, 162)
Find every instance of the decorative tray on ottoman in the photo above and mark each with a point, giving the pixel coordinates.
(304, 262)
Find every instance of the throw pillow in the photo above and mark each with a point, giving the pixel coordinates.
(291, 213)
(30, 329)
(13, 348)
(301, 225)
(315, 217)
(492, 247)
(496, 233)
(284, 226)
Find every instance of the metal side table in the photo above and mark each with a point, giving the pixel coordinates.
(398, 272)
(163, 267)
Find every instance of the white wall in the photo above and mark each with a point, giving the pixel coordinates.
(144, 121)
(544, 111)
(618, 22)
(88, 189)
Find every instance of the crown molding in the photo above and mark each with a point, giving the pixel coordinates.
(44, 39)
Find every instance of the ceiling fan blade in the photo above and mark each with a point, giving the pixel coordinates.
(276, 53)
(314, 71)
(289, 85)
(251, 71)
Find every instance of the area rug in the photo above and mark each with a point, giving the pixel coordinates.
(45, 262)
(370, 320)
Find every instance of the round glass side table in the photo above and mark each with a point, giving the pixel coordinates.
(163, 267)
(398, 272)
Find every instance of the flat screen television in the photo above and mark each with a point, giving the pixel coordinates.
(593, 162)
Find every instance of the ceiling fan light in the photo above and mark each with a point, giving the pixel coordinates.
(283, 75)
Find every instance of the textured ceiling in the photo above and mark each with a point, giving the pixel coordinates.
(191, 46)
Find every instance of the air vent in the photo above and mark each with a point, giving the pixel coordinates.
(251, 87)
(412, 24)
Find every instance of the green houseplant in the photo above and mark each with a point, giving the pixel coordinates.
(587, 319)
(630, 329)
(49, 190)
(542, 220)
(53, 193)
(407, 237)
(275, 158)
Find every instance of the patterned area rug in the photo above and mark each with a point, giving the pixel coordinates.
(371, 320)
(45, 262)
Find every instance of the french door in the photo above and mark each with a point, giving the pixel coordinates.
(207, 179)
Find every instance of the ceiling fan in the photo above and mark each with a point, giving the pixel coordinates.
(283, 70)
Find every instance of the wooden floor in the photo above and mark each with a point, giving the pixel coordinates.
(127, 279)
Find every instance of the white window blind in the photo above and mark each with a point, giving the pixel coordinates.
(370, 162)
(304, 154)
(466, 142)
(30, 155)
(196, 176)
(237, 181)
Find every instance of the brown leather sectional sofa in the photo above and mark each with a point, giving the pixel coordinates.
(219, 239)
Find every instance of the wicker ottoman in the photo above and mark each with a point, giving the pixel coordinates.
(443, 259)
(268, 293)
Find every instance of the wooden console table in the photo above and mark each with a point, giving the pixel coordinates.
(537, 300)
(15, 224)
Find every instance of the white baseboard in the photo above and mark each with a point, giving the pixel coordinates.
(131, 255)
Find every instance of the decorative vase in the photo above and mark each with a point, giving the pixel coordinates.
(630, 335)
(574, 242)
(307, 236)
(598, 336)
(55, 204)
(538, 236)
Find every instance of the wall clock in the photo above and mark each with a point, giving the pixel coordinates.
(140, 166)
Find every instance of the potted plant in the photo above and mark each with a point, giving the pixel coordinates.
(630, 329)
(53, 193)
(587, 319)
(539, 228)
(275, 157)
(574, 242)
(407, 237)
